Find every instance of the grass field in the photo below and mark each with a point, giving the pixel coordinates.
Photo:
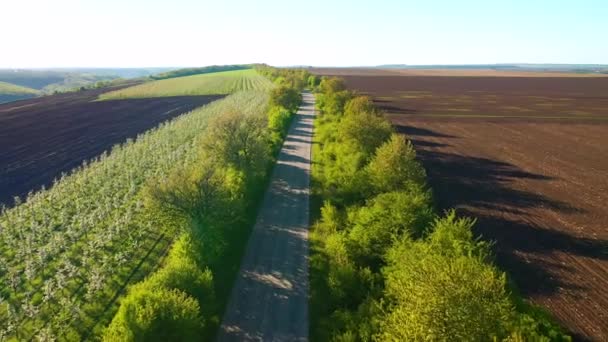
(11, 92)
(206, 84)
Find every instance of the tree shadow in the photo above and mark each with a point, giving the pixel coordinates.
(483, 188)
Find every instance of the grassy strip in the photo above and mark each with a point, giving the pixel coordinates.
(384, 265)
(213, 203)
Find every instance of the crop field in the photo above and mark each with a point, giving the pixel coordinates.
(11, 92)
(68, 253)
(525, 156)
(206, 84)
(44, 137)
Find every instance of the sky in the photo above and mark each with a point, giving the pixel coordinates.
(180, 33)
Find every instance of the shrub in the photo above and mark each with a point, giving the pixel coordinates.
(286, 97)
(394, 166)
(365, 131)
(360, 105)
(385, 219)
(433, 295)
(279, 119)
(159, 315)
(238, 140)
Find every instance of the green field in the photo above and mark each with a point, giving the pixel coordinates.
(12, 89)
(206, 84)
(11, 92)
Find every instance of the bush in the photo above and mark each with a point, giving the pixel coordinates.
(278, 124)
(385, 219)
(394, 166)
(240, 141)
(365, 131)
(159, 315)
(434, 295)
(286, 97)
(360, 105)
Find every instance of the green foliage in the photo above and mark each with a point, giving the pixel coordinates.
(279, 120)
(394, 166)
(433, 295)
(96, 230)
(382, 266)
(226, 82)
(288, 98)
(389, 217)
(240, 141)
(156, 315)
(313, 81)
(209, 200)
(290, 78)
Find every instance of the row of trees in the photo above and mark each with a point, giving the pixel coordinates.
(384, 266)
(212, 203)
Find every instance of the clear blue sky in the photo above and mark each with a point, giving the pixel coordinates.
(137, 33)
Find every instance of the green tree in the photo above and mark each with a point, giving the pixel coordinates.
(286, 97)
(159, 315)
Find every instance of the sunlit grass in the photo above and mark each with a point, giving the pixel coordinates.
(226, 82)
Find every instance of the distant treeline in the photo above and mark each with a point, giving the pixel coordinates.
(197, 71)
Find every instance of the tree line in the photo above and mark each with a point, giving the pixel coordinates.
(384, 265)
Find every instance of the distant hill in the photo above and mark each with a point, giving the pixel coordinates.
(48, 81)
(12, 92)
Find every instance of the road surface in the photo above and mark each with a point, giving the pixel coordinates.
(269, 301)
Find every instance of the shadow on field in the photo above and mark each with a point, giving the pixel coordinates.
(481, 188)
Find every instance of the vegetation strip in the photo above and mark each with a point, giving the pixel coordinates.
(67, 251)
(384, 266)
(212, 203)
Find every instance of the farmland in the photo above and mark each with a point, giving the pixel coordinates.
(88, 237)
(526, 157)
(44, 137)
(206, 84)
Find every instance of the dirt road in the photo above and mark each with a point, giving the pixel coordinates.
(269, 300)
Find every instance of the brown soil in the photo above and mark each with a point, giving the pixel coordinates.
(537, 185)
(44, 137)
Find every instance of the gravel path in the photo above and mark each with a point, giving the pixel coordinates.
(269, 300)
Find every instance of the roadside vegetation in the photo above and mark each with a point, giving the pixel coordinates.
(384, 265)
(212, 203)
(225, 82)
(183, 193)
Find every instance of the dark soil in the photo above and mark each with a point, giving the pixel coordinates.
(537, 184)
(43, 137)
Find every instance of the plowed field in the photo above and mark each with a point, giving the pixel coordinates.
(42, 138)
(528, 157)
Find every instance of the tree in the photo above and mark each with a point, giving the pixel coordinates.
(159, 315)
(286, 97)
(238, 140)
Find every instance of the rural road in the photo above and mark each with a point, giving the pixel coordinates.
(269, 301)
